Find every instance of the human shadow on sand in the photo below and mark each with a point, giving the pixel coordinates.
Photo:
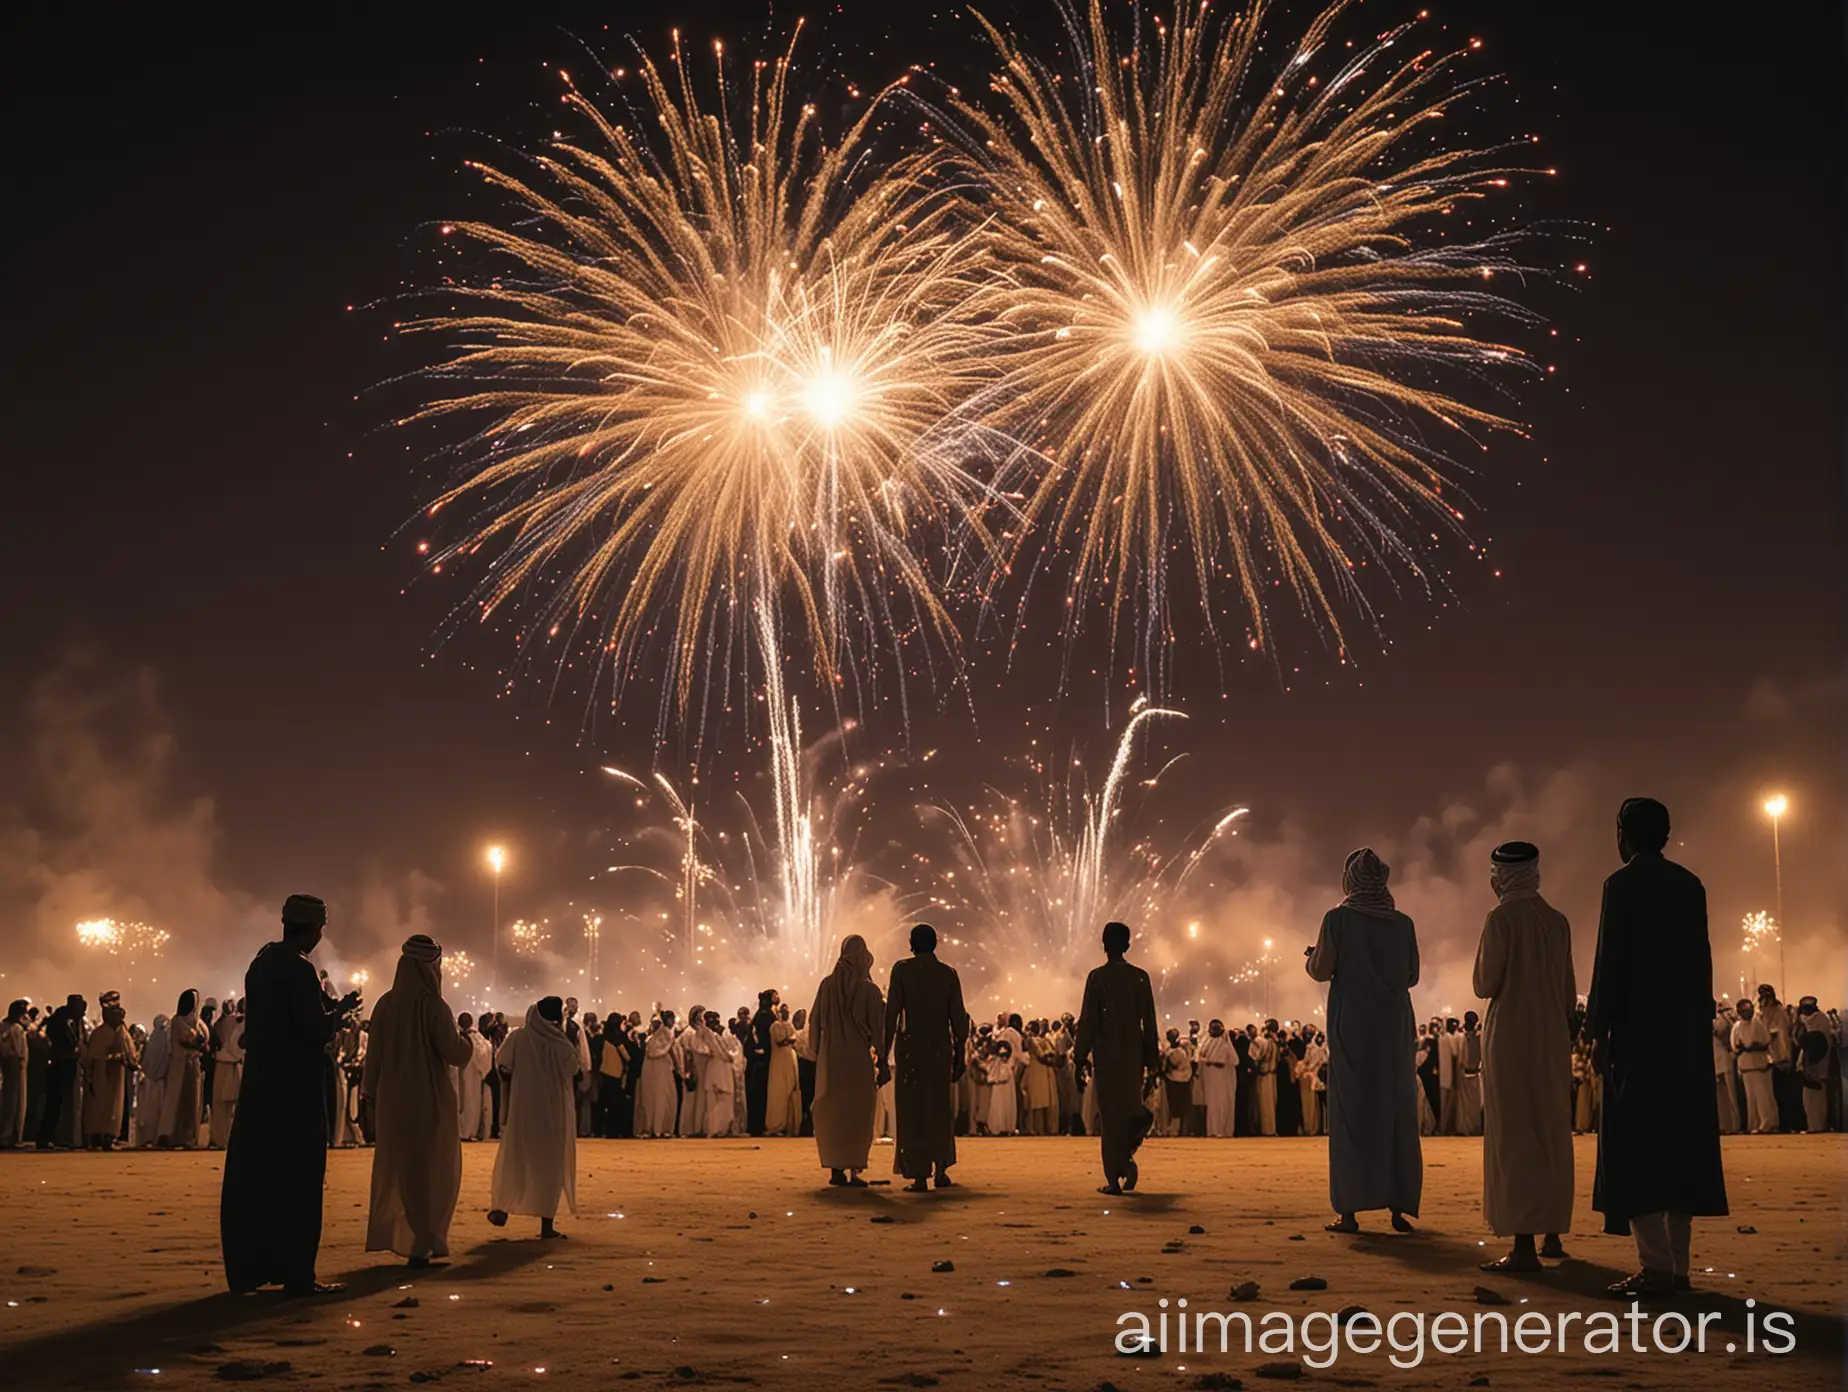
(106, 1352)
(1818, 1334)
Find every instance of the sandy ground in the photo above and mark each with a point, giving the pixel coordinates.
(727, 1263)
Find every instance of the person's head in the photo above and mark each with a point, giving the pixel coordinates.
(465, 1021)
(189, 1002)
(923, 939)
(553, 1009)
(1470, 1019)
(1174, 1036)
(1746, 1008)
(1270, 1027)
(1807, 1007)
(635, 1019)
(1216, 1028)
(304, 919)
(590, 1022)
(1251, 1031)
(208, 1010)
(986, 1030)
(1452, 1025)
(16, 1011)
(766, 999)
(571, 1005)
(1013, 1022)
(75, 1004)
(1193, 1028)
(712, 1021)
(1116, 939)
(799, 1019)
(667, 1019)
(1642, 828)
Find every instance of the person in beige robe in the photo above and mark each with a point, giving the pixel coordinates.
(535, 1168)
(1524, 971)
(109, 1056)
(783, 1107)
(182, 1095)
(844, 1034)
(227, 1070)
(417, 1150)
(1039, 1095)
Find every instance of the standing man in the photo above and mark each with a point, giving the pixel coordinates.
(227, 1067)
(13, 1075)
(1215, 1060)
(1648, 1019)
(757, 1046)
(1751, 1041)
(269, 1216)
(59, 1123)
(1785, 1085)
(1449, 1055)
(925, 1018)
(1120, 1041)
(1524, 971)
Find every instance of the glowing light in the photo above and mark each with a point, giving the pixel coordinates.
(1157, 330)
(497, 859)
(829, 398)
(1776, 806)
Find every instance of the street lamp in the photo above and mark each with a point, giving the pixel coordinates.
(497, 860)
(1775, 807)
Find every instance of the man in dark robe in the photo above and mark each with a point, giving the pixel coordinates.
(58, 1123)
(756, 1041)
(1120, 1039)
(269, 1215)
(925, 1016)
(1245, 1095)
(1650, 1022)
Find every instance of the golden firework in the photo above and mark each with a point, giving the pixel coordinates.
(707, 373)
(1233, 304)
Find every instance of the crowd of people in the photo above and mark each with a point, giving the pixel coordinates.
(292, 1069)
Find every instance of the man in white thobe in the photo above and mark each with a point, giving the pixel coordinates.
(536, 1165)
(474, 1107)
(1315, 1105)
(1449, 1059)
(1751, 1043)
(1217, 1081)
(227, 1068)
(1524, 971)
(1725, 1074)
(717, 1080)
(1469, 1076)
(657, 1091)
(1263, 1053)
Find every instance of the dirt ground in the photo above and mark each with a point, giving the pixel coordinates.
(709, 1263)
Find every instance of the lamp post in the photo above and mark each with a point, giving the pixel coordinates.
(1775, 807)
(497, 860)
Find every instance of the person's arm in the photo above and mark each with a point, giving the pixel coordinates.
(1151, 1027)
(894, 1008)
(1321, 963)
(1605, 1001)
(1491, 960)
(1087, 1026)
(959, 1029)
(444, 1037)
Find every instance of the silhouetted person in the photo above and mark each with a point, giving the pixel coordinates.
(756, 1041)
(924, 1014)
(64, 1034)
(1119, 1039)
(1650, 1022)
(269, 1216)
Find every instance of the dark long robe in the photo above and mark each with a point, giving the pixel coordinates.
(756, 1041)
(1651, 1007)
(269, 1215)
(1120, 1038)
(1371, 963)
(924, 1014)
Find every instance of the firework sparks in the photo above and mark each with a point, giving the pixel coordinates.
(708, 378)
(1233, 305)
(529, 939)
(1038, 883)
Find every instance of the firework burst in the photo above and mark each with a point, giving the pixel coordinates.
(706, 372)
(1233, 303)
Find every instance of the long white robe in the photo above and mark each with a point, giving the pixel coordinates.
(536, 1164)
(1524, 971)
(1449, 1070)
(417, 1152)
(151, 1087)
(716, 1081)
(227, 1072)
(1003, 1113)
(181, 1096)
(1264, 1060)
(654, 1091)
(783, 1107)
(1218, 1083)
(474, 1104)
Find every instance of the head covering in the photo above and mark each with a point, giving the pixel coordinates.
(1644, 823)
(304, 911)
(1363, 884)
(1514, 870)
(419, 966)
(852, 972)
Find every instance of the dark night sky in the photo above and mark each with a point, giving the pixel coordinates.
(196, 485)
